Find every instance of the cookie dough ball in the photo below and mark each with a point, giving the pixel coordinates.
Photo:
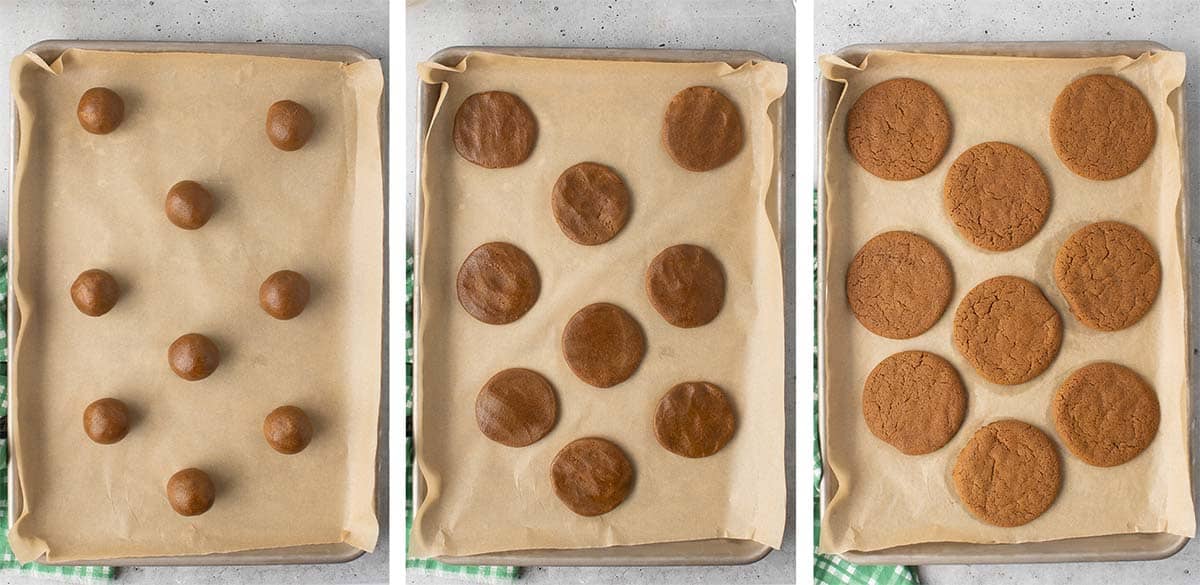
(914, 401)
(284, 294)
(516, 407)
(100, 110)
(1102, 127)
(189, 205)
(898, 285)
(287, 430)
(106, 421)
(193, 357)
(590, 203)
(289, 125)
(997, 196)
(1007, 330)
(694, 419)
(1008, 474)
(591, 476)
(898, 129)
(94, 292)
(1106, 414)
(686, 285)
(1110, 275)
(495, 130)
(702, 129)
(498, 283)
(191, 492)
(603, 344)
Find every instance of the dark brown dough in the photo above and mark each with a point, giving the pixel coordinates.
(516, 407)
(603, 344)
(94, 292)
(191, 492)
(189, 205)
(106, 421)
(702, 129)
(289, 125)
(591, 203)
(100, 110)
(193, 357)
(287, 430)
(284, 294)
(591, 476)
(686, 285)
(694, 419)
(495, 130)
(498, 283)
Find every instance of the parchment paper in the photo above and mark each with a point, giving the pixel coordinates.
(84, 201)
(884, 498)
(485, 497)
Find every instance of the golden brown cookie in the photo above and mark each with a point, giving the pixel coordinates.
(898, 285)
(516, 407)
(914, 401)
(284, 294)
(191, 492)
(898, 129)
(1102, 127)
(591, 476)
(997, 196)
(494, 130)
(694, 419)
(1109, 274)
(193, 357)
(1008, 474)
(702, 129)
(189, 205)
(106, 421)
(94, 292)
(100, 110)
(590, 203)
(287, 429)
(1007, 330)
(498, 283)
(1106, 414)
(289, 125)
(603, 344)
(686, 285)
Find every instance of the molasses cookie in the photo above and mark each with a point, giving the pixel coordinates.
(516, 407)
(694, 419)
(494, 130)
(289, 125)
(1102, 127)
(1007, 330)
(686, 285)
(100, 110)
(1106, 414)
(898, 129)
(94, 292)
(914, 401)
(702, 129)
(997, 196)
(591, 203)
(287, 429)
(603, 344)
(498, 283)
(591, 476)
(191, 492)
(1008, 474)
(189, 205)
(106, 421)
(1109, 274)
(898, 285)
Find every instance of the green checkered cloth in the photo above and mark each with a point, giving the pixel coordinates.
(8, 562)
(481, 574)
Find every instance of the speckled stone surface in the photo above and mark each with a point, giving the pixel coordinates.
(764, 26)
(356, 22)
(1170, 22)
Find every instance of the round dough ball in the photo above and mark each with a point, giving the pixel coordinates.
(1110, 275)
(193, 357)
(898, 129)
(914, 401)
(1007, 330)
(702, 129)
(94, 292)
(898, 285)
(1106, 414)
(495, 130)
(694, 419)
(289, 125)
(498, 283)
(997, 196)
(590, 203)
(284, 294)
(287, 430)
(189, 205)
(686, 285)
(1008, 473)
(603, 344)
(106, 421)
(591, 476)
(516, 407)
(191, 492)
(1102, 127)
(100, 110)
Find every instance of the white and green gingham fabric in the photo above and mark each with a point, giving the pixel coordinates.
(8, 562)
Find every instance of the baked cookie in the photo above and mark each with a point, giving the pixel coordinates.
(997, 196)
(590, 203)
(686, 285)
(1008, 474)
(898, 129)
(914, 401)
(516, 407)
(898, 285)
(1102, 127)
(494, 130)
(702, 129)
(1106, 414)
(694, 419)
(1007, 330)
(591, 476)
(498, 283)
(603, 344)
(1109, 274)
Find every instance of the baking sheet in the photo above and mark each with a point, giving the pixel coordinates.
(738, 493)
(904, 500)
(321, 216)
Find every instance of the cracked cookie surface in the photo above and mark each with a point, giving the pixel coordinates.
(1102, 127)
(914, 401)
(1007, 330)
(898, 129)
(898, 285)
(997, 196)
(1008, 474)
(1106, 414)
(1109, 273)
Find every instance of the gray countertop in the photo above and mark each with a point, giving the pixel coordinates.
(1170, 22)
(363, 23)
(763, 26)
